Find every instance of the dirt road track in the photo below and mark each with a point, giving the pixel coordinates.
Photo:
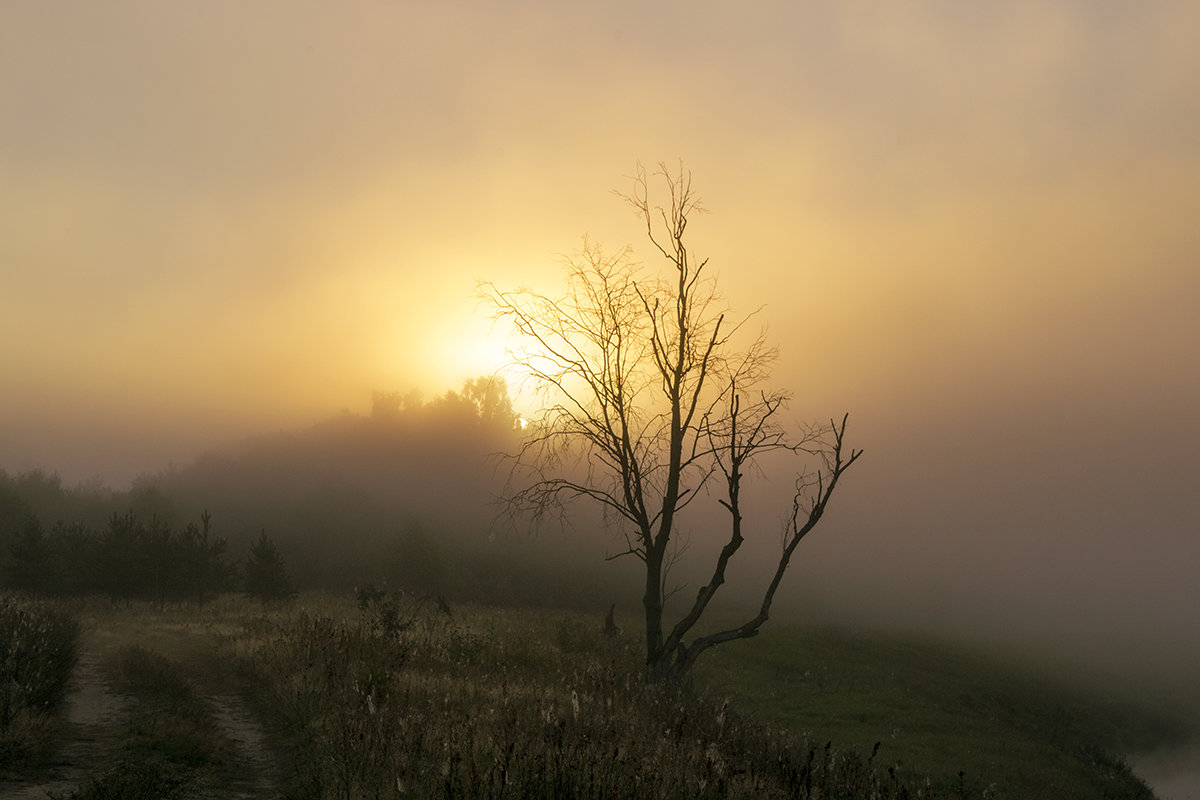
(96, 718)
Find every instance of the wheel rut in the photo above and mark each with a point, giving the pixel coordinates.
(96, 721)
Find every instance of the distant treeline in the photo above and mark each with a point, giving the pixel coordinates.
(399, 497)
(130, 558)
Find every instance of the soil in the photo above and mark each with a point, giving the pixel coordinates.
(92, 714)
(260, 775)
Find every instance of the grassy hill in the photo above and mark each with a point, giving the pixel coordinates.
(394, 697)
(973, 722)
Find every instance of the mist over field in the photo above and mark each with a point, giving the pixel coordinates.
(1068, 570)
(240, 250)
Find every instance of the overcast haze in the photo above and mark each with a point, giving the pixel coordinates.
(973, 227)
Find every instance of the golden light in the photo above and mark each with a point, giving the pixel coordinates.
(469, 348)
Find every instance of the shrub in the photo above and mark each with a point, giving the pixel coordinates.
(39, 646)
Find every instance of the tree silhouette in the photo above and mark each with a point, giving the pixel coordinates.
(204, 571)
(266, 577)
(30, 565)
(653, 394)
(148, 560)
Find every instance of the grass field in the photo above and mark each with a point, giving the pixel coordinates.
(941, 710)
(405, 699)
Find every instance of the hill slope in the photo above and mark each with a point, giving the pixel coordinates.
(938, 710)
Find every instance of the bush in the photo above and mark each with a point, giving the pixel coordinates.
(39, 646)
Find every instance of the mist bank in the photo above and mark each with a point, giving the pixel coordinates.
(401, 496)
(1017, 549)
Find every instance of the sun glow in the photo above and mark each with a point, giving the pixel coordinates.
(472, 349)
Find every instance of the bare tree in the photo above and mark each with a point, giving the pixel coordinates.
(653, 395)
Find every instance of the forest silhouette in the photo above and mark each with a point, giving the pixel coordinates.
(400, 496)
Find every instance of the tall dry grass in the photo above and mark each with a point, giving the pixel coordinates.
(484, 703)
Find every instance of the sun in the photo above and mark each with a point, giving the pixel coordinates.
(468, 349)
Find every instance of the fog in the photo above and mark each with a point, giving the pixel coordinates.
(972, 230)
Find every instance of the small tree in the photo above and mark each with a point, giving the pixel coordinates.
(30, 565)
(266, 577)
(204, 571)
(128, 557)
(654, 394)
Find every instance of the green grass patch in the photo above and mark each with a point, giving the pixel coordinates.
(973, 723)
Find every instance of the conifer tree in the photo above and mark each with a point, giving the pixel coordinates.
(266, 575)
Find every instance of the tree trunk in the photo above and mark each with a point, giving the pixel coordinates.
(652, 601)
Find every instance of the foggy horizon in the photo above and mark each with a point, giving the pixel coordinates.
(971, 228)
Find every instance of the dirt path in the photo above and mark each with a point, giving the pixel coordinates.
(262, 778)
(93, 713)
(97, 720)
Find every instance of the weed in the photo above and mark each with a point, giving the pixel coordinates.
(442, 709)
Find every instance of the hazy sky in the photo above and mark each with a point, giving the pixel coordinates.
(973, 226)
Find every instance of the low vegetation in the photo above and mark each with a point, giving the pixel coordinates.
(170, 744)
(392, 695)
(39, 646)
(411, 699)
(977, 723)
